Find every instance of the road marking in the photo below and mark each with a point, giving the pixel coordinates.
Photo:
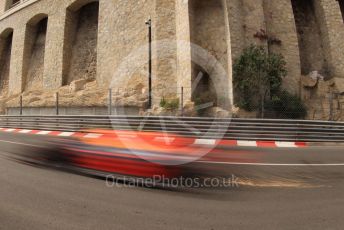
(43, 132)
(286, 144)
(19, 143)
(66, 134)
(205, 142)
(93, 135)
(209, 142)
(25, 131)
(10, 130)
(270, 164)
(247, 143)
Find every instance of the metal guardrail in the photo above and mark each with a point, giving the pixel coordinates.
(239, 129)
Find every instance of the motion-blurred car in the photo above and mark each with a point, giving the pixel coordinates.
(126, 153)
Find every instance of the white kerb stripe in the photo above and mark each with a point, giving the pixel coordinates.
(25, 131)
(247, 143)
(93, 135)
(164, 139)
(286, 144)
(10, 130)
(66, 134)
(44, 132)
(205, 142)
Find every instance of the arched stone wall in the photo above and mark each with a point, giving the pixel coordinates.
(208, 30)
(6, 38)
(310, 38)
(341, 5)
(80, 44)
(10, 3)
(34, 50)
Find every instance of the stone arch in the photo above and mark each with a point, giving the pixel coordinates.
(76, 5)
(11, 3)
(311, 43)
(341, 5)
(6, 32)
(34, 50)
(208, 30)
(6, 38)
(36, 19)
(80, 41)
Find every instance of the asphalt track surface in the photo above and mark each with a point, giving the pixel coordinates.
(287, 189)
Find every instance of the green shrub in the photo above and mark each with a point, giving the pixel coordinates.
(163, 102)
(286, 106)
(257, 78)
(171, 104)
(257, 75)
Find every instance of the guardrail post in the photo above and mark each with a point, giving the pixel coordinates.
(182, 101)
(331, 106)
(21, 105)
(110, 102)
(149, 25)
(57, 103)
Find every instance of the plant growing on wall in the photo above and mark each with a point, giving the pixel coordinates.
(257, 78)
(169, 104)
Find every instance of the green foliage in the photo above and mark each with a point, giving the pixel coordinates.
(171, 104)
(286, 106)
(257, 78)
(163, 102)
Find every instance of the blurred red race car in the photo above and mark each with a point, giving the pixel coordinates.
(126, 153)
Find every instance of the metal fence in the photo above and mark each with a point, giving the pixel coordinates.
(208, 128)
(327, 108)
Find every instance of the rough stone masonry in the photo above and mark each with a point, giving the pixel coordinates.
(81, 48)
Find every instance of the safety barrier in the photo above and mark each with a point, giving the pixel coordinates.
(238, 129)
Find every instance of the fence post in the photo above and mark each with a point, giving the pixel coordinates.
(57, 103)
(110, 102)
(182, 101)
(331, 106)
(21, 105)
(149, 25)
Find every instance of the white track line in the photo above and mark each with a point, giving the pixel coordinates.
(270, 164)
(18, 143)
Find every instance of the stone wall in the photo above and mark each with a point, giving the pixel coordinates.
(208, 32)
(89, 46)
(83, 32)
(280, 25)
(5, 58)
(35, 55)
(311, 42)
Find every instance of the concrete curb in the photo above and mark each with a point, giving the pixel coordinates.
(202, 142)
